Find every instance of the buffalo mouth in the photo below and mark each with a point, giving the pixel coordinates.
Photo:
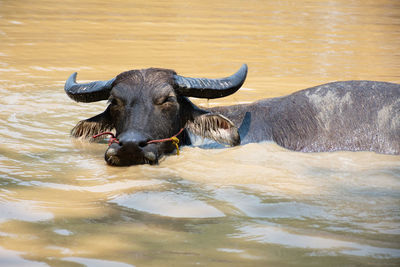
(117, 155)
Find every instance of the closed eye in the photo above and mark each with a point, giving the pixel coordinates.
(165, 100)
(113, 101)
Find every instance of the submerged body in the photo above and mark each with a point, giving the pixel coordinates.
(349, 115)
(150, 104)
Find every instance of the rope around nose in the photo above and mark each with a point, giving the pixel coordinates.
(174, 139)
(113, 139)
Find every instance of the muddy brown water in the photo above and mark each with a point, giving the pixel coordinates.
(253, 205)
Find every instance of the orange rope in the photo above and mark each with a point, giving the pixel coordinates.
(174, 139)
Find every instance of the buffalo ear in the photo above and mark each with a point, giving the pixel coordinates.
(216, 127)
(94, 125)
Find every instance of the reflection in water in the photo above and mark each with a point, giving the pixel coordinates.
(94, 262)
(275, 235)
(23, 210)
(253, 205)
(11, 258)
(180, 205)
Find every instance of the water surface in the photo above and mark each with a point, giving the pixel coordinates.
(253, 205)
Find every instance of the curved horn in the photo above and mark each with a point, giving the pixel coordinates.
(210, 88)
(88, 92)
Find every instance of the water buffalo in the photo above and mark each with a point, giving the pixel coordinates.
(152, 104)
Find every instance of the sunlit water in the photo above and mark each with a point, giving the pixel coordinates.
(253, 205)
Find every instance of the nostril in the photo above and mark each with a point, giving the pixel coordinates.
(142, 143)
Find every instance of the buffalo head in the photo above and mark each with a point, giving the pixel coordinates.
(149, 104)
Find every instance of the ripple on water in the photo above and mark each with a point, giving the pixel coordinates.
(63, 232)
(170, 204)
(108, 187)
(22, 210)
(13, 258)
(253, 206)
(270, 234)
(96, 262)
